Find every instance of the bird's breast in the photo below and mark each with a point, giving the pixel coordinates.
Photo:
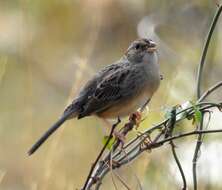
(128, 106)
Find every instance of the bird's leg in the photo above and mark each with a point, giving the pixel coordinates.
(137, 116)
(117, 134)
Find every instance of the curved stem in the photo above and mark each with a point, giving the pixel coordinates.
(204, 53)
(209, 91)
(199, 80)
(189, 134)
(178, 165)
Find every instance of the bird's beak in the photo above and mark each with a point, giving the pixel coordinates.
(152, 47)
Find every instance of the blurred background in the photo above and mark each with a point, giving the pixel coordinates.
(49, 49)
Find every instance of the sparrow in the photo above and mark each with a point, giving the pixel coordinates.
(117, 90)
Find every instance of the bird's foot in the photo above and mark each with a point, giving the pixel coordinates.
(137, 117)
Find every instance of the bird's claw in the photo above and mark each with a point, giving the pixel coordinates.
(137, 117)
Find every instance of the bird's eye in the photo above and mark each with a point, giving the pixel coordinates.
(137, 46)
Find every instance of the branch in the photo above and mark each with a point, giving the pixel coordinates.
(151, 138)
(197, 132)
(205, 50)
(178, 165)
(124, 131)
(209, 91)
(170, 132)
(100, 154)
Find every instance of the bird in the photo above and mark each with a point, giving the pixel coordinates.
(117, 90)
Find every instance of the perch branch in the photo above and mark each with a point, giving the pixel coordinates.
(100, 154)
(130, 151)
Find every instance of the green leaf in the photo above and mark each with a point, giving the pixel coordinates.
(197, 114)
(111, 142)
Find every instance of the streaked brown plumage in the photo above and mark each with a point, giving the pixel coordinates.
(117, 90)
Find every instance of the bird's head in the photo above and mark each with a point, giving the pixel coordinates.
(140, 48)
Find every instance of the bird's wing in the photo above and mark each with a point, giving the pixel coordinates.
(114, 87)
(87, 92)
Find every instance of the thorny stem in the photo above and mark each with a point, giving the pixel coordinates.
(199, 80)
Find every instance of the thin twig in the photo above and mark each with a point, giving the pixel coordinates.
(205, 50)
(209, 91)
(100, 154)
(178, 136)
(117, 175)
(169, 132)
(196, 152)
(122, 181)
(137, 179)
(111, 171)
(103, 164)
(178, 165)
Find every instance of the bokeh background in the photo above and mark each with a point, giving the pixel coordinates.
(50, 48)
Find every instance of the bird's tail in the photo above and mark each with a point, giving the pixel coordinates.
(50, 131)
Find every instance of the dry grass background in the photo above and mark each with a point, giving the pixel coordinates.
(49, 49)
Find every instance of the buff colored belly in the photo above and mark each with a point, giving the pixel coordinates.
(127, 107)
